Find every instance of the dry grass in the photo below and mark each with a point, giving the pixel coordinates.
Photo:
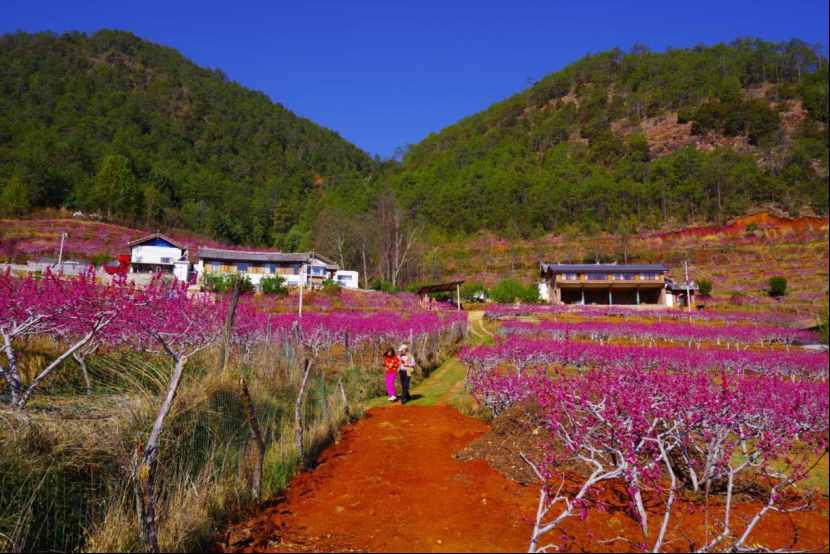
(66, 469)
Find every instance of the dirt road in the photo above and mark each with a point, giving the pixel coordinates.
(391, 484)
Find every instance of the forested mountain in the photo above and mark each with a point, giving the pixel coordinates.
(634, 139)
(618, 141)
(113, 124)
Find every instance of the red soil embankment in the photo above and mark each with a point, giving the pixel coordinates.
(768, 224)
(391, 484)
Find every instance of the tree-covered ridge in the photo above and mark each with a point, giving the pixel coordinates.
(580, 147)
(111, 123)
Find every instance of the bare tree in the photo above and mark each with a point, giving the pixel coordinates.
(397, 237)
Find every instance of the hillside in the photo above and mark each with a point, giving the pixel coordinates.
(22, 240)
(623, 140)
(738, 258)
(134, 131)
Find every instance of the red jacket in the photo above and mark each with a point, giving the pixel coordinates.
(392, 363)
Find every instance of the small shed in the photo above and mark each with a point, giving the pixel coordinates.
(451, 286)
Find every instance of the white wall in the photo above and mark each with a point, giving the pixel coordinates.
(180, 270)
(347, 279)
(145, 254)
(544, 291)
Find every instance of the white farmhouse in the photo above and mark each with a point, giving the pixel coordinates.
(158, 253)
(306, 268)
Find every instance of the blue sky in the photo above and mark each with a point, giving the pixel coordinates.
(385, 73)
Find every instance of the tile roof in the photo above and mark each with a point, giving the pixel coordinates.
(604, 268)
(155, 236)
(206, 253)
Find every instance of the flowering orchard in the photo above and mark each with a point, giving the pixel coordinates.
(164, 318)
(78, 318)
(663, 423)
(737, 336)
(506, 311)
(522, 353)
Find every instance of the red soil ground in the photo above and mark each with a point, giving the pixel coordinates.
(392, 483)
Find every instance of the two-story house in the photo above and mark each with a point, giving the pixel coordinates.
(158, 253)
(631, 284)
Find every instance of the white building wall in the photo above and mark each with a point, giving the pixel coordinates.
(145, 254)
(347, 279)
(544, 291)
(180, 270)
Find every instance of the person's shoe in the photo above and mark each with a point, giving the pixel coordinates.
(392, 398)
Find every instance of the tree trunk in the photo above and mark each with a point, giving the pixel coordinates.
(365, 267)
(250, 415)
(298, 410)
(12, 376)
(229, 318)
(145, 477)
(345, 399)
(82, 363)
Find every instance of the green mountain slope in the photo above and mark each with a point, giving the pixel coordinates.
(621, 140)
(133, 130)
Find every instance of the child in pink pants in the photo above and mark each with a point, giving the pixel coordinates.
(391, 364)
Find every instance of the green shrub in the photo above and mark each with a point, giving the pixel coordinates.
(704, 286)
(383, 285)
(473, 292)
(777, 286)
(331, 288)
(216, 282)
(824, 323)
(273, 285)
(100, 259)
(510, 290)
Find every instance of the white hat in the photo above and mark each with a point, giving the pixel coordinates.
(403, 347)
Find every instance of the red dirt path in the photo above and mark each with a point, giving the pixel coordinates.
(391, 484)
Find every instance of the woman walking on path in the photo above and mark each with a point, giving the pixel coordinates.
(407, 363)
(392, 363)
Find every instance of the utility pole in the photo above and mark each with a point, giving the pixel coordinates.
(60, 250)
(688, 289)
(302, 279)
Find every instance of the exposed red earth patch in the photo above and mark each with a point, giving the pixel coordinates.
(392, 483)
(768, 224)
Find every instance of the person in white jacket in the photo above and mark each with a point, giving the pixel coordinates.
(405, 371)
